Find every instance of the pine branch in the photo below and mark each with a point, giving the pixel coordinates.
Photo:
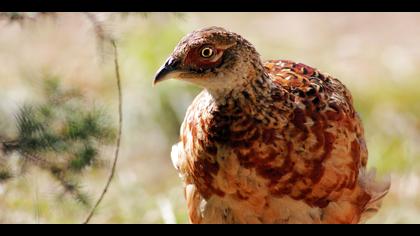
(99, 29)
(60, 174)
(21, 17)
(5, 173)
(60, 136)
(8, 146)
(72, 187)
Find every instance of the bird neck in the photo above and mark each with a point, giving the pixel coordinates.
(248, 94)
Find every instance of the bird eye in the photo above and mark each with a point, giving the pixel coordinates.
(206, 52)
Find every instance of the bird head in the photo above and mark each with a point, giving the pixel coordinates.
(213, 58)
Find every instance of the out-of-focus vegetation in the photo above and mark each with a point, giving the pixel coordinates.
(60, 135)
(377, 55)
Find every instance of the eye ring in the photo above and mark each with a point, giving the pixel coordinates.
(207, 52)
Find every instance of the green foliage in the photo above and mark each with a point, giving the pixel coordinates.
(61, 135)
(83, 158)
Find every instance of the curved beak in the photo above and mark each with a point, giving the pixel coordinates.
(165, 71)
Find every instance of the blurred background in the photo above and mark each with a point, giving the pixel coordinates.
(377, 55)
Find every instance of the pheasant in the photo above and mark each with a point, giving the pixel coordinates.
(272, 142)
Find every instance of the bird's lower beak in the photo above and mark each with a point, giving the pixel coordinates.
(166, 71)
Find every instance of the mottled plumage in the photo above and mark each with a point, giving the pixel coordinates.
(273, 142)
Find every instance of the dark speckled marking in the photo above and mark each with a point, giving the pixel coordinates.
(259, 144)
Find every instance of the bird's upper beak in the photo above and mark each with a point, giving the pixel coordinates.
(165, 71)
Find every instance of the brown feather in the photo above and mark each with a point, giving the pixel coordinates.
(284, 146)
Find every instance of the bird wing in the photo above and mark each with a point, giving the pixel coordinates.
(315, 154)
(327, 149)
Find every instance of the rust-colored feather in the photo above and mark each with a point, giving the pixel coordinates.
(290, 156)
(273, 142)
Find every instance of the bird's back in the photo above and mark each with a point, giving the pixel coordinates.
(295, 155)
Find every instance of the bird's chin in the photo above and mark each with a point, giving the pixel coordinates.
(198, 79)
(206, 82)
(168, 76)
(179, 75)
(190, 77)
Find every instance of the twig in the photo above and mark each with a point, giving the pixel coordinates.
(40, 162)
(7, 146)
(120, 123)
